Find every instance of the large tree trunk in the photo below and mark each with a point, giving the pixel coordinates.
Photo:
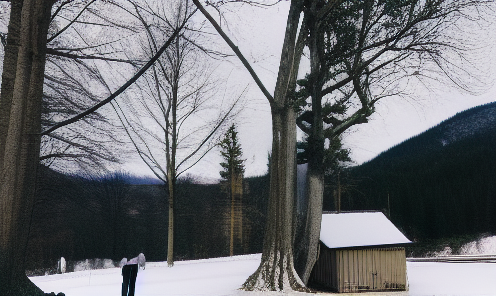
(276, 270)
(21, 138)
(9, 72)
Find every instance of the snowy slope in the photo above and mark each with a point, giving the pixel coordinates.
(223, 276)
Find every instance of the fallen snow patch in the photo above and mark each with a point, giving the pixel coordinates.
(484, 246)
(90, 264)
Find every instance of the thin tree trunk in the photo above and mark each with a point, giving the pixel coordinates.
(231, 181)
(22, 145)
(171, 164)
(170, 239)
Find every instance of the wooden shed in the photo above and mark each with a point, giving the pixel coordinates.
(360, 252)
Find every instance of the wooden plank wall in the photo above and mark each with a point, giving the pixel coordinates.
(354, 270)
(324, 272)
(371, 269)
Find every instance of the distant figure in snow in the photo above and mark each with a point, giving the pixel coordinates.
(141, 261)
(129, 273)
(61, 266)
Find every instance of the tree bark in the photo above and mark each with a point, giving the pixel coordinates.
(171, 155)
(21, 138)
(276, 270)
(231, 191)
(9, 71)
(308, 245)
(170, 233)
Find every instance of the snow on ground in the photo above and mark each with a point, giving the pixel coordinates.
(485, 246)
(219, 276)
(223, 276)
(433, 278)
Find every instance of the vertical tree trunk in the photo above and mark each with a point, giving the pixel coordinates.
(238, 210)
(20, 151)
(9, 72)
(171, 160)
(231, 190)
(276, 270)
(170, 239)
(315, 173)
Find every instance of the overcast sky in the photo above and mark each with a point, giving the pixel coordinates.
(259, 35)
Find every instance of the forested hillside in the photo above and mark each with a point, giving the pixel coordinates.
(112, 217)
(441, 183)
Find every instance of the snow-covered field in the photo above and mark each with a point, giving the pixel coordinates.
(223, 276)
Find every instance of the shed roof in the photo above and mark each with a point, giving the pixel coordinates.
(345, 230)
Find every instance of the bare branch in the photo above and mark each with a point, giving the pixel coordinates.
(236, 51)
(71, 22)
(120, 90)
(212, 132)
(51, 51)
(219, 3)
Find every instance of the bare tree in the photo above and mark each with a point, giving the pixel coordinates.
(73, 80)
(276, 270)
(176, 105)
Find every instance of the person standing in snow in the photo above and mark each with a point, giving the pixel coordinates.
(129, 273)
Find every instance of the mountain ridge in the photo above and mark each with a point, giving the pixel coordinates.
(439, 183)
(476, 120)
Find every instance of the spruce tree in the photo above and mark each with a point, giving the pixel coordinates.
(231, 153)
(232, 172)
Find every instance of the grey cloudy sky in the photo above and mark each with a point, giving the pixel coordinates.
(259, 35)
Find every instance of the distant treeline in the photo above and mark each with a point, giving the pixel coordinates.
(439, 184)
(110, 217)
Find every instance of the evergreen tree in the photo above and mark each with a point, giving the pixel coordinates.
(232, 173)
(231, 152)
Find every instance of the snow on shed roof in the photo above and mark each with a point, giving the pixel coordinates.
(346, 230)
